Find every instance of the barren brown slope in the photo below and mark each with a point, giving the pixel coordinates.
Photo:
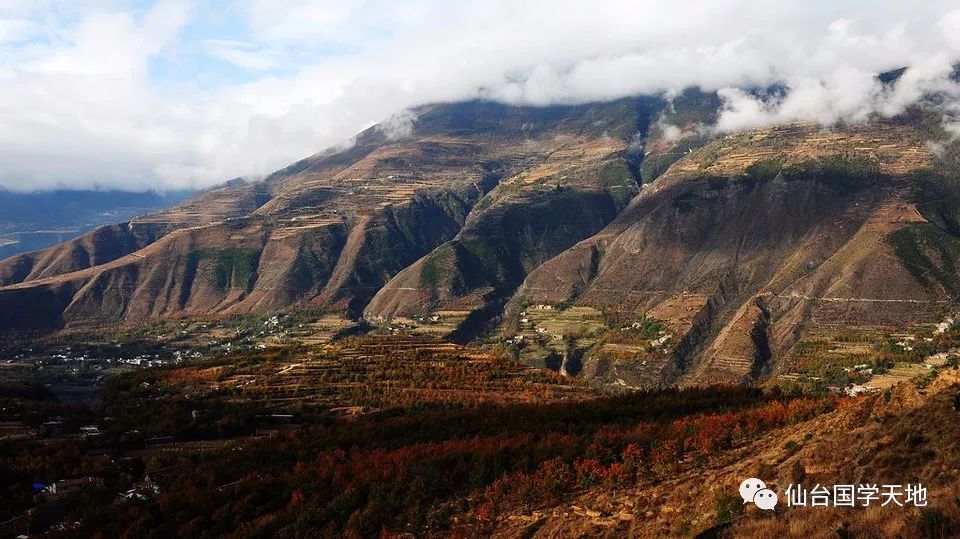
(338, 225)
(530, 217)
(526, 219)
(742, 245)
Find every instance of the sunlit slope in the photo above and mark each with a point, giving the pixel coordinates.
(743, 245)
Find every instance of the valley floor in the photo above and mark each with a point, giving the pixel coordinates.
(402, 434)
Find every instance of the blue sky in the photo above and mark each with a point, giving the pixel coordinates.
(189, 60)
(188, 93)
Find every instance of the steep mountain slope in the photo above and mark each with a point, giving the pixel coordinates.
(746, 244)
(524, 221)
(327, 232)
(530, 217)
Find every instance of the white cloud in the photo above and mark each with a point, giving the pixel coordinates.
(671, 133)
(82, 103)
(950, 26)
(846, 95)
(244, 54)
(398, 125)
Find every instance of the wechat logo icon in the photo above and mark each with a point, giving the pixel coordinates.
(755, 491)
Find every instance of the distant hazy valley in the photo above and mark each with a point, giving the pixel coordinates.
(31, 221)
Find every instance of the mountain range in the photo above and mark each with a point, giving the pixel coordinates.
(626, 241)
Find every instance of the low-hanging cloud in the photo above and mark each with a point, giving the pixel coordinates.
(108, 93)
(846, 95)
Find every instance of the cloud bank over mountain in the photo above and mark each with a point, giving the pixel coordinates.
(177, 94)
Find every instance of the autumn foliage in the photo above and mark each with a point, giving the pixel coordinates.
(414, 471)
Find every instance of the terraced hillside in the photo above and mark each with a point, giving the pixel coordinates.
(743, 246)
(362, 375)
